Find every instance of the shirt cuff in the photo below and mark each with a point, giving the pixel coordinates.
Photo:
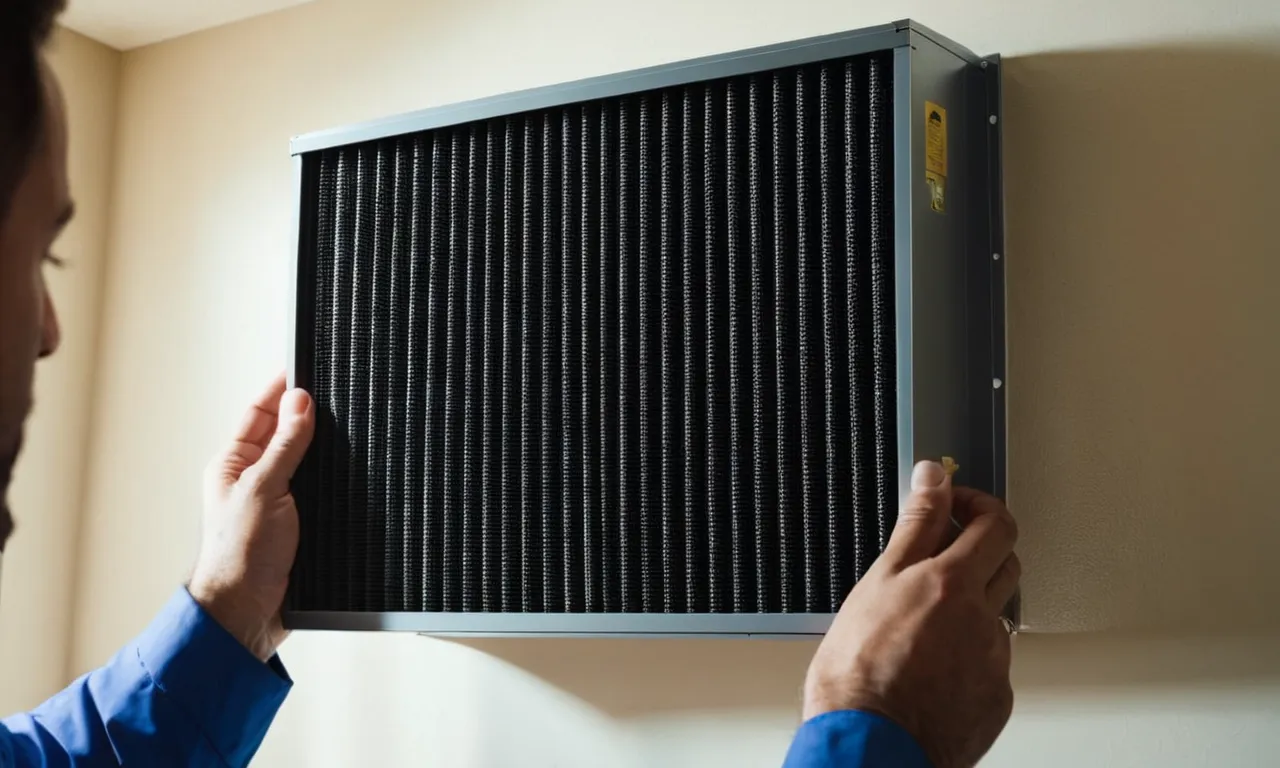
(856, 739)
(227, 691)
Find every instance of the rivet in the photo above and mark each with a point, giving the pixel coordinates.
(993, 119)
(995, 256)
(997, 383)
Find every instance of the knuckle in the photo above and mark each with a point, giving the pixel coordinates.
(925, 501)
(1005, 527)
(946, 583)
(253, 479)
(1014, 567)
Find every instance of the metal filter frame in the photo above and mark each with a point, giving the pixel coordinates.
(949, 282)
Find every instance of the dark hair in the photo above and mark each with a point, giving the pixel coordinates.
(25, 25)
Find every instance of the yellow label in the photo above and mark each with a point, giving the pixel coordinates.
(935, 139)
(935, 155)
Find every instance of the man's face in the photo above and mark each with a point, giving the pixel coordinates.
(40, 207)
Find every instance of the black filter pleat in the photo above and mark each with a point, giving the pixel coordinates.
(312, 586)
(808, 241)
(763, 474)
(341, 316)
(693, 450)
(741, 442)
(439, 258)
(591, 263)
(491, 547)
(511, 433)
(397, 419)
(631, 491)
(718, 443)
(670, 375)
(828, 541)
(611, 534)
(359, 363)
(649, 319)
(550, 344)
(472, 405)
(454, 437)
(572, 540)
(530, 368)
(628, 355)
(862, 420)
(879, 183)
(379, 363)
(416, 380)
(786, 347)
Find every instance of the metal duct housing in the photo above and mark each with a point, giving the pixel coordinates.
(646, 354)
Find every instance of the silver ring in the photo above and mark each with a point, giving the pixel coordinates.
(1009, 626)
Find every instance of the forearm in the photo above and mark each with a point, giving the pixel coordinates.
(183, 693)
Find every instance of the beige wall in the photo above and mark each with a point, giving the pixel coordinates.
(39, 566)
(1144, 274)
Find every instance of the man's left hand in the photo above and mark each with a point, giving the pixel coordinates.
(251, 522)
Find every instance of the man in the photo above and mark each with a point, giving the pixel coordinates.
(202, 683)
(914, 672)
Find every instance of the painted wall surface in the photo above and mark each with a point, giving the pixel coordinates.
(47, 495)
(1144, 296)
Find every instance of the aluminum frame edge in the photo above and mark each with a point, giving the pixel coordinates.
(730, 64)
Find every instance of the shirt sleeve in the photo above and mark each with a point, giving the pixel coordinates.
(184, 692)
(854, 739)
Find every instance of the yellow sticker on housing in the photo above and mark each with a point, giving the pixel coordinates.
(935, 139)
(935, 155)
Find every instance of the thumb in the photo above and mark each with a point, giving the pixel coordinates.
(294, 429)
(923, 519)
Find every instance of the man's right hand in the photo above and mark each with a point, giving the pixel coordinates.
(920, 640)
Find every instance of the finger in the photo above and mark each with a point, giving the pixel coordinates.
(294, 429)
(987, 539)
(1003, 586)
(256, 426)
(970, 504)
(255, 430)
(923, 519)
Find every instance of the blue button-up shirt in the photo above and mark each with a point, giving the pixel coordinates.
(183, 693)
(186, 693)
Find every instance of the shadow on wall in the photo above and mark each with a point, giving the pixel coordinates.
(1143, 201)
(632, 678)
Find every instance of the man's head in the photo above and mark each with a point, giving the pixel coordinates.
(35, 204)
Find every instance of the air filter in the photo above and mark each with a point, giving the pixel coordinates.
(651, 353)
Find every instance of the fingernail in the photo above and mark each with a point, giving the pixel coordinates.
(297, 401)
(927, 474)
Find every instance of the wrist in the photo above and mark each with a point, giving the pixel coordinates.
(239, 621)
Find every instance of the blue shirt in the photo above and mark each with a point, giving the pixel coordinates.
(186, 693)
(183, 693)
(852, 739)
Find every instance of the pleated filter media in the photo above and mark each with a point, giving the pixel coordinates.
(627, 355)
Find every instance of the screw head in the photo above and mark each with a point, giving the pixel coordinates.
(997, 383)
(995, 256)
(993, 119)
